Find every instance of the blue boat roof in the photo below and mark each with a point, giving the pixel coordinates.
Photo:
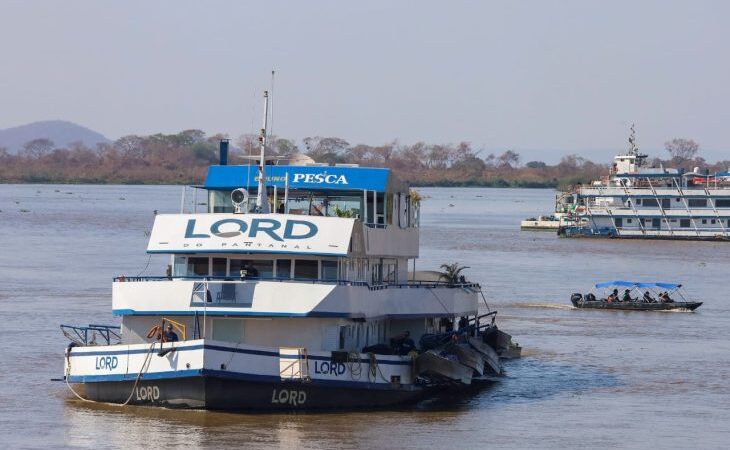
(305, 177)
(637, 284)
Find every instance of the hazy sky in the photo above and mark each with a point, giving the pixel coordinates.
(545, 78)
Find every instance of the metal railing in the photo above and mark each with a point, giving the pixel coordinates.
(371, 286)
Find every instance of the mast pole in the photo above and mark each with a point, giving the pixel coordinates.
(262, 202)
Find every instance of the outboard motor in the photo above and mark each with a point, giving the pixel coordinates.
(576, 298)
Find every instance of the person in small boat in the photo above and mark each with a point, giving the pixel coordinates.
(627, 296)
(613, 296)
(170, 335)
(403, 344)
(665, 298)
(648, 298)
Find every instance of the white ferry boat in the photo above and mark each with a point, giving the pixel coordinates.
(636, 201)
(297, 296)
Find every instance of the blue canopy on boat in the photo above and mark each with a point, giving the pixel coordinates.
(631, 284)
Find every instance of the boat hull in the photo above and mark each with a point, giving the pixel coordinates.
(637, 306)
(215, 392)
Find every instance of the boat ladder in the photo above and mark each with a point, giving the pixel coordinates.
(633, 208)
(711, 201)
(686, 206)
(294, 363)
(661, 209)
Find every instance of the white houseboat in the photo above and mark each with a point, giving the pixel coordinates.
(298, 296)
(636, 201)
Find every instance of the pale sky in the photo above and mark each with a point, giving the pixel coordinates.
(544, 78)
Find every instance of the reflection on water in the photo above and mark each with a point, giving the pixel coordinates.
(585, 374)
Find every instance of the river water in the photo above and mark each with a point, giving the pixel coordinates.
(588, 379)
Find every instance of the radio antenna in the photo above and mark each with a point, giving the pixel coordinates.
(271, 101)
(262, 201)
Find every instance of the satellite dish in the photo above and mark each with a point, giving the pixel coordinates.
(239, 197)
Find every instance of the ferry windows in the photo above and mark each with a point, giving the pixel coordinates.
(306, 268)
(180, 266)
(704, 221)
(697, 202)
(329, 270)
(619, 222)
(198, 267)
(650, 202)
(629, 221)
(722, 203)
(261, 268)
(684, 223)
(283, 268)
(666, 203)
(219, 267)
(220, 202)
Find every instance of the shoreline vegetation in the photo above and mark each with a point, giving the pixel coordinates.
(183, 158)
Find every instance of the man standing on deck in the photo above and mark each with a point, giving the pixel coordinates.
(170, 335)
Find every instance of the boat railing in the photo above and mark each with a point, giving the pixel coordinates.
(88, 335)
(235, 280)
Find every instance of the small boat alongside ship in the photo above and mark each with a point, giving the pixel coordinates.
(636, 296)
(550, 222)
(285, 295)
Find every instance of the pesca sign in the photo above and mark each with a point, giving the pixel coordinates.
(249, 233)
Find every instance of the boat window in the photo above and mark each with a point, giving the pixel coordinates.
(198, 266)
(283, 268)
(722, 203)
(257, 268)
(180, 266)
(619, 222)
(697, 202)
(704, 221)
(329, 270)
(650, 202)
(712, 221)
(219, 267)
(629, 221)
(220, 202)
(306, 268)
(684, 223)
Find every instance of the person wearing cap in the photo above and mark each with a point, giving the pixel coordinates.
(170, 335)
(627, 296)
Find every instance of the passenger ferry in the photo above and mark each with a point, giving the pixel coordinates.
(635, 201)
(292, 291)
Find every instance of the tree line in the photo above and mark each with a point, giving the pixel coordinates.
(183, 158)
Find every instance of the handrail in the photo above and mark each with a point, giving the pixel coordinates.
(407, 285)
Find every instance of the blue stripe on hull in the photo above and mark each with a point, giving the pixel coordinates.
(227, 349)
(206, 373)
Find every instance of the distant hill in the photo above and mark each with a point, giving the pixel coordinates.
(62, 134)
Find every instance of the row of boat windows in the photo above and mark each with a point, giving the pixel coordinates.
(683, 223)
(261, 268)
(376, 207)
(666, 203)
(383, 270)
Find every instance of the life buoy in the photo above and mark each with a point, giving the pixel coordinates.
(152, 332)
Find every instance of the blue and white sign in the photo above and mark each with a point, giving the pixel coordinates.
(250, 233)
(300, 177)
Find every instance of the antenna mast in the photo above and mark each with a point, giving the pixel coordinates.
(262, 201)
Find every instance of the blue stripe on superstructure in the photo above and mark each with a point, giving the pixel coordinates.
(209, 312)
(237, 251)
